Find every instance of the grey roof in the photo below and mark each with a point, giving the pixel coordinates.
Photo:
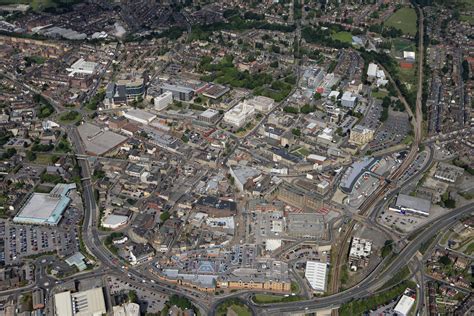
(411, 202)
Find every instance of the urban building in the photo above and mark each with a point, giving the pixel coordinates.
(209, 116)
(139, 116)
(299, 197)
(447, 172)
(359, 253)
(316, 275)
(180, 93)
(261, 104)
(410, 204)
(404, 305)
(84, 303)
(124, 91)
(361, 135)
(98, 141)
(82, 67)
(348, 100)
(45, 208)
(162, 101)
(114, 221)
(240, 114)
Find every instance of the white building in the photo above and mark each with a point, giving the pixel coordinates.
(113, 221)
(316, 274)
(243, 174)
(404, 305)
(127, 309)
(82, 67)
(411, 204)
(348, 100)
(261, 103)
(84, 303)
(139, 116)
(240, 114)
(162, 101)
(372, 71)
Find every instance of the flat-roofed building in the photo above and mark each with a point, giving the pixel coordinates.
(359, 252)
(38, 299)
(98, 141)
(162, 101)
(84, 303)
(82, 67)
(261, 103)
(124, 91)
(404, 305)
(316, 274)
(410, 204)
(139, 116)
(114, 221)
(348, 100)
(45, 208)
(209, 116)
(215, 91)
(447, 172)
(181, 93)
(240, 114)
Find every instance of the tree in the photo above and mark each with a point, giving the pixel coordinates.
(444, 260)
(31, 156)
(296, 132)
(387, 248)
(132, 296)
(317, 96)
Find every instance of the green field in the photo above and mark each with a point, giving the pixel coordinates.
(379, 94)
(404, 20)
(235, 306)
(240, 310)
(269, 298)
(344, 37)
(401, 44)
(408, 76)
(467, 18)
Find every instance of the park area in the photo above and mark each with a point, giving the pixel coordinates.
(343, 36)
(404, 20)
(233, 307)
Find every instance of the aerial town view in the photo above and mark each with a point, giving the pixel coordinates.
(236, 157)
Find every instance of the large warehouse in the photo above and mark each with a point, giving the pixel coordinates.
(410, 204)
(98, 141)
(139, 116)
(45, 208)
(316, 274)
(84, 303)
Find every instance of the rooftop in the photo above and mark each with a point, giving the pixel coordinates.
(98, 141)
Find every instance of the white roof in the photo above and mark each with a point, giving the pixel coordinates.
(316, 274)
(410, 55)
(272, 244)
(404, 305)
(63, 304)
(372, 70)
(82, 66)
(113, 220)
(139, 115)
(334, 93)
(316, 157)
(40, 206)
(127, 309)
